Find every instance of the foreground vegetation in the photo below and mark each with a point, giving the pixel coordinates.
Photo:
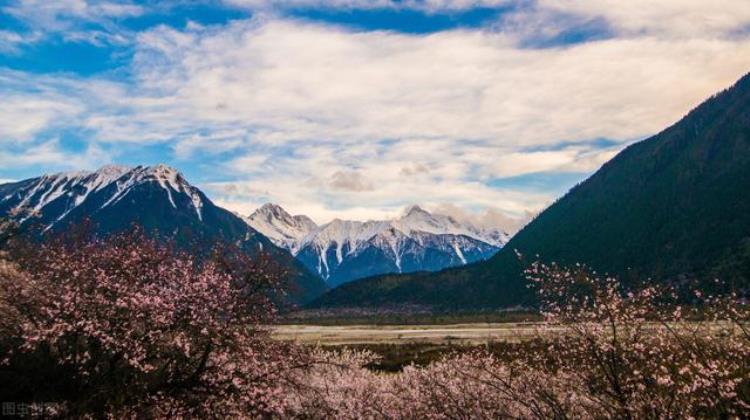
(127, 327)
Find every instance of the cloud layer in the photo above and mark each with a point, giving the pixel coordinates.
(337, 122)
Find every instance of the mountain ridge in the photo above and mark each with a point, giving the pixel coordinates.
(343, 250)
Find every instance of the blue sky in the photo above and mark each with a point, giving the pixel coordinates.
(487, 109)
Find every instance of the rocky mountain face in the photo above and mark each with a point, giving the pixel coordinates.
(342, 250)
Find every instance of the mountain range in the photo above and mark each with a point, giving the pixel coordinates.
(157, 198)
(671, 208)
(160, 200)
(342, 250)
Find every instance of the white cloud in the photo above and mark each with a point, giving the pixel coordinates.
(576, 158)
(53, 157)
(291, 81)
(674, 18)
(58, 14)
(350, 181)
(379, 187)
(21, 117)
(211, 143)
(425, 5)
(10, 42)
(520, 163)
(387, 201)
(71, 19)
(31, 105)
(486, 218)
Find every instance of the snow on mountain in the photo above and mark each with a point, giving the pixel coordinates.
(417, 219)
(344, 232)
(167, 177)
(343, 250)
(55, 196)
(280, 227)
(48, 188)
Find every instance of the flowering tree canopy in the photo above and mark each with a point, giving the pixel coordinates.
(601, 352)
(129, 325)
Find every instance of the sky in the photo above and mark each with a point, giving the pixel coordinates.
(484, 109)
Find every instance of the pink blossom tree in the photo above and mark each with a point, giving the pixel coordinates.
(640, 353)
(601, 352)
(129, 325)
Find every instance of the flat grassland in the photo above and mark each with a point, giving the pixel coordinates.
(466, 334)
(473, 334)
(400, 345)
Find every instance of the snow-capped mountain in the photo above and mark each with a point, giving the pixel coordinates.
(417, 219)
(280, 227)
(342, 250)
(51, 200)
(157, 198)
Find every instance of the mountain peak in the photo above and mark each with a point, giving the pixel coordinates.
(272, 209)
(106, 186)
(112, 172)
(113, 169)
(269, 206)
(162, 172)
(163, 166)
(279, 226)
(415, 209)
